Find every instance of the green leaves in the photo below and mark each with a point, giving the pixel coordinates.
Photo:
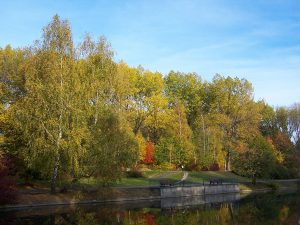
(112, 147)
(256, 160)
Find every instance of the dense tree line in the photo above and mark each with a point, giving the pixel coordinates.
(71, 112)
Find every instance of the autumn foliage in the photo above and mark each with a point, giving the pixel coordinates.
(149, 155)
(283, 143)
(150, 219)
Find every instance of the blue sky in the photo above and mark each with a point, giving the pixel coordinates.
(256, 40)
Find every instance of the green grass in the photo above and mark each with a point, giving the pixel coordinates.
(150, 178)
(152, 173)
(176, 176)
(142, 181)
(205, 176)
(249, 186)
(153, 177)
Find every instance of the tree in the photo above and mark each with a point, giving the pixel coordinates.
(282, 120)
(142, 143)
(231, 107)
(111, 145)
(146, 106)
(97, 71)
(50, 116)
(294, 122)
(12, 81)
(252, 160)
(188, 89)
(12, 77)
(268, 125)
(207, 138)
(68, 96)
(282, 143)
(170, 150)
(112, 148)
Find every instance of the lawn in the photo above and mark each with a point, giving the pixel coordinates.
(205, 176)
(152, 178)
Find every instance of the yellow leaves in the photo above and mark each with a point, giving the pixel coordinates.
(141, 142)
(284, 213)
(278, 155)
(241, 148)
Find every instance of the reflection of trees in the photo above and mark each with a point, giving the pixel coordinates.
(212, 214)
(261, 209)
(267, 209)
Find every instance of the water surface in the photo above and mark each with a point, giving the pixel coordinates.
(264, 209)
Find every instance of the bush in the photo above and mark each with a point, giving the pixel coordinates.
(282, 172)
(204, 168)
(273, 186)
(214, 167)
(193, 167)
(8, 185)
(166, 166)
(134, 174)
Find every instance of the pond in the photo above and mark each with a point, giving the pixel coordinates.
(263, 209)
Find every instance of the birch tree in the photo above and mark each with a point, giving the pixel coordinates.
(50, 115)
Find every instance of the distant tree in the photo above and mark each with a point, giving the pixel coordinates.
(281, 114)
(170, 150)
(282, 143)
(294, 122)
(268, 125)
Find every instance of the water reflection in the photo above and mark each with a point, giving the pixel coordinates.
(194, 201)
(260, 209)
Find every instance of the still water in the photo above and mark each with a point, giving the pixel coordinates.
(264, 209)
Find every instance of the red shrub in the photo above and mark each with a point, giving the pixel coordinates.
(150, 219)
(149, 156)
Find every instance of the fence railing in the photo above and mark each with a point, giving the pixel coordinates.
(209, 182)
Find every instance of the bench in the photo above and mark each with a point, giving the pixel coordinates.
(215, 181)
(165, 183)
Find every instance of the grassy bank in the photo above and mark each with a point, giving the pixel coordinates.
(206, 176)
(152, 178)
(146, 178)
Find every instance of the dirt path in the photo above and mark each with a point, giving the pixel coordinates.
(185, 176)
